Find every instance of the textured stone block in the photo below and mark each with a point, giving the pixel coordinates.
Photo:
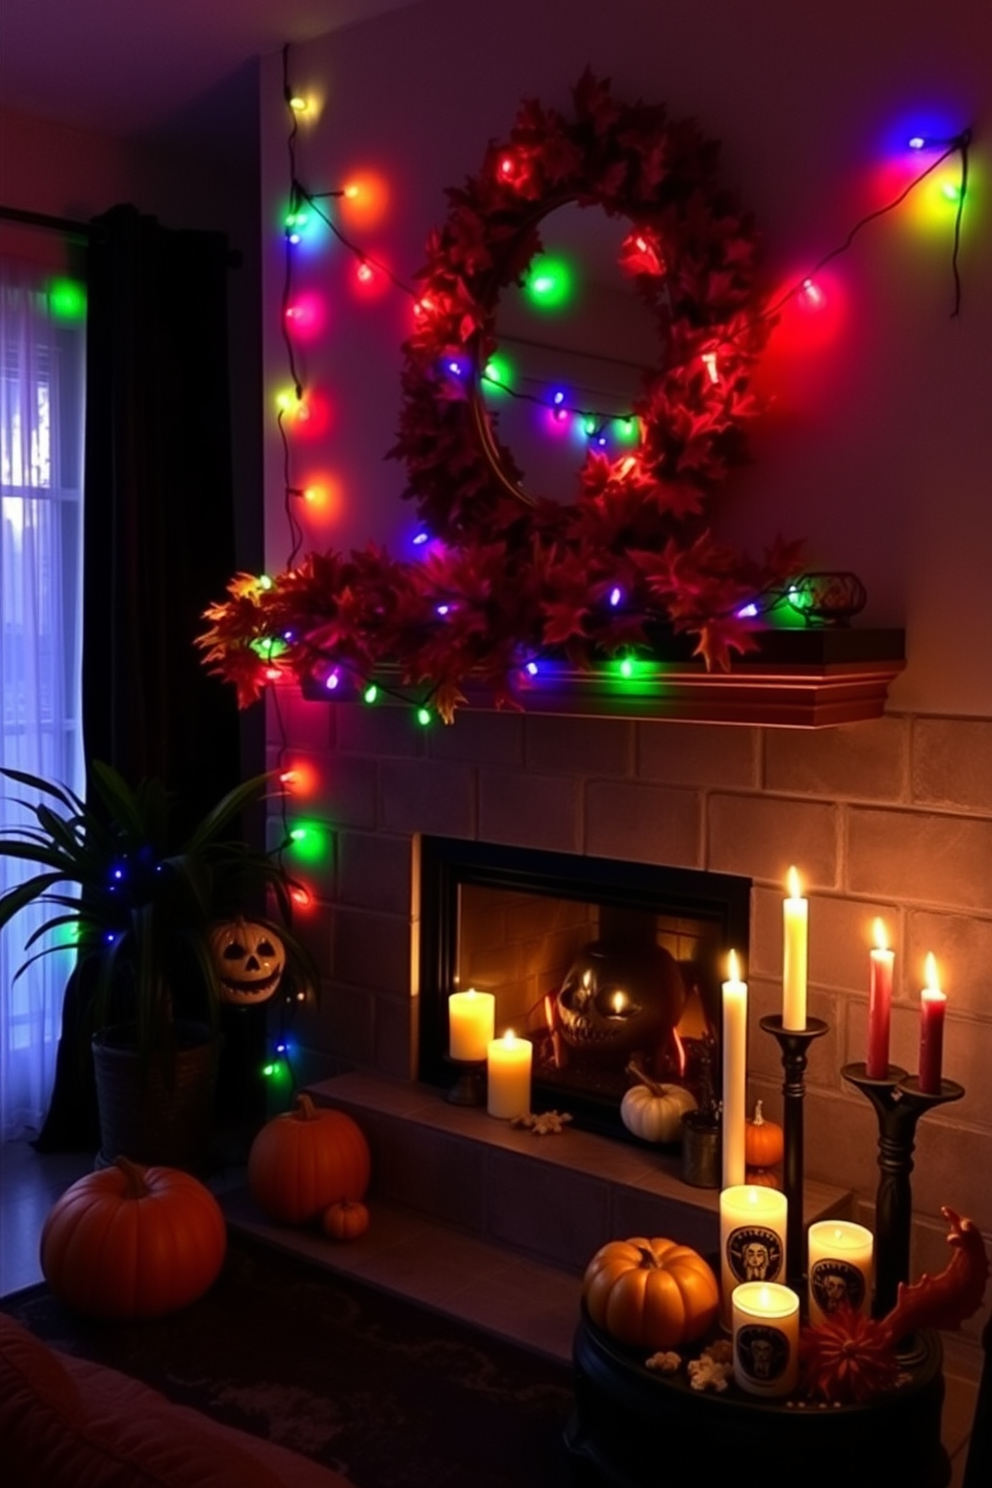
(339, 788)
(529, 810)
(288, 715)
(375, 871)
(395, 1038)
(962, 945)
(378, 730)
(431, 796)
(479, 738)
(560, 1216)
(582, 746)
(952, 763)
(372, 950)
(427, 1170)
(761, 836)
(643, 823)
(705, 755)
(841, 1139)
(919, 856)
(860, 761)
(952, 1166)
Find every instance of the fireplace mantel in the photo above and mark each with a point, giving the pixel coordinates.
(811, 678)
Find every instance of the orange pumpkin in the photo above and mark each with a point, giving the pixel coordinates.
(345, 1220)
(653, 1294)
(306, 1159)
(762, 1178)
(764, 1141)
(133, 1242)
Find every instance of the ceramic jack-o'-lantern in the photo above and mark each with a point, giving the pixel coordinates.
(250, 959)
(616, 1002)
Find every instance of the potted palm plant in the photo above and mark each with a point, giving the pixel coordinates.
(154, 921)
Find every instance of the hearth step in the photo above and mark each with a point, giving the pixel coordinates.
(554, 1198)
(490, 1223)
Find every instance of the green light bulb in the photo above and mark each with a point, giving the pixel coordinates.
(549, 283)
(423, 716)
(371, 693)
(67, 300)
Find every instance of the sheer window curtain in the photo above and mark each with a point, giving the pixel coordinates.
(42, 407)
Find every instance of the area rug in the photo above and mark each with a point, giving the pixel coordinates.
(391, 1395)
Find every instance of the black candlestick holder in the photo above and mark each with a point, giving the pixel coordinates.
(794, 1044)
(470, 1087)
(899, 1103)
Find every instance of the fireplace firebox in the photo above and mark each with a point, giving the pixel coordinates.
(609, 967)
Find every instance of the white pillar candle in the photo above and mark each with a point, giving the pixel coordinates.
(766, 1338)
(471, 1021)
(840, 1262)
(734, 1076)
(752, 1239)
(509, 1076)
(795, 925)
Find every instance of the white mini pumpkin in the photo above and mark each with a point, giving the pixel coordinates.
(654, 1112)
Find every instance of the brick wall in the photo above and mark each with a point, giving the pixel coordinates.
(891, 817)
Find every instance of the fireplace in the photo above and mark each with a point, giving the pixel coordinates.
(605, 965)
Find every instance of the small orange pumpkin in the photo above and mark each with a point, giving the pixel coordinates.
(345, 1220)
(133, 1242)
(762, 1178)
(764, 1141)
(653, 1294)
(306, 1159)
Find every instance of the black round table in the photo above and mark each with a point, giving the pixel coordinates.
(633, 1427)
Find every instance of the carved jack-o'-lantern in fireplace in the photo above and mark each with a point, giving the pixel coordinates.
(250, 960)
(617, 1001)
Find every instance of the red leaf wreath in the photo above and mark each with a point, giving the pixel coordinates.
(508, 578)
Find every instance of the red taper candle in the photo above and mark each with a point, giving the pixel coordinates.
(933, 1005)
(879, 1006)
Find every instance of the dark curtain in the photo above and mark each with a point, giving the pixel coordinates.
(159, 519)
(158, 544)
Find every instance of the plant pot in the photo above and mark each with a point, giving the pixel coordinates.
(143, 1116)
(700, 1150)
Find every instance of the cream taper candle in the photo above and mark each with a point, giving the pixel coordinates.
(795, 926)
(734, 1076)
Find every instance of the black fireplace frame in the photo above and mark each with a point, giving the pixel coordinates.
(445, 863)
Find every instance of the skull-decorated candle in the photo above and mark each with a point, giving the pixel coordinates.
(840, 1262)
(752, 1239)
(765, 1338)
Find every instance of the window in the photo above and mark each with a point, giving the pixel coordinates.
(42, 372)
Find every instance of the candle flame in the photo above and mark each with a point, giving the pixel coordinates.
(881, 939)
(795, 887)
(930, 973)
(764, 1298)
(734, 973)
(619, 1001)
(509, 1036)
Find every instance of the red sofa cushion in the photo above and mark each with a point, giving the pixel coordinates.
(69, 1423)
